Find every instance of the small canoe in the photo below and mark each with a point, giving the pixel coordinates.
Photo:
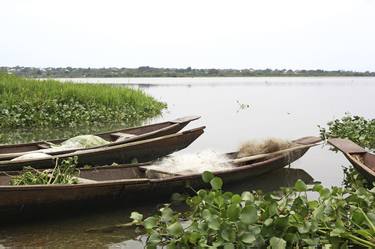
(362, 160)
(127, 135)
(130, 183)
(139, 151)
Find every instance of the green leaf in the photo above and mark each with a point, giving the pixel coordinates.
(268, 222)
(216, 183)
(154, 239)
(166, 214)
(247, 238)
(175, 229)
(213, 223)
(207, 176)
(247, 196)
(136, 217)
(202, 193)
(206, 214)
(300, 186)
(228, 234)
(229, 246)
(277, 243)
(336, 232)
(249, 215)
(194, 237)
(236, 199)
(233, 212)
(150, 222)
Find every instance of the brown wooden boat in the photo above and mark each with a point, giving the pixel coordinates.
(362, 160)
(129, 183)
(140, 151)
(127, 135)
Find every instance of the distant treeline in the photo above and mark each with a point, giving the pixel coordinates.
(69, 72)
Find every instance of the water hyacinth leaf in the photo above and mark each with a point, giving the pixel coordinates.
(236, 199)
(324, 193)
(213, 223)
(248, 215)
(206, 214)
(228, 234)
(154, 239)
(136, 217)
(248, 238)
(229, 246)
(268, 222)
(304, 228)
(216, 183)
(277, 243)
(194, 237)
(150, 222)
(202, 193)
(176, 197)
(219, 200)
(247, 196)
(207, 176)
(311, 242)
(171, 245)
(300, 186)
(233, 212)
(337, 232)
(166, 214)
(175, 229)
(195, 200)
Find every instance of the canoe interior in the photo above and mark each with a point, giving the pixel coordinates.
(109, 136)
(141, 171)
(369, 160)
(364, 162)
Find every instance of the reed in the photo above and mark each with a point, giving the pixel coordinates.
(29, 103)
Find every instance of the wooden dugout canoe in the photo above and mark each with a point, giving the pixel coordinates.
(362, 160)
(128, 134)
(129, 183)
(141, 151)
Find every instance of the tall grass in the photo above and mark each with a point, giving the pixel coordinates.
(27, 103)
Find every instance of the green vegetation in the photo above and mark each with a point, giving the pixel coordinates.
(304, 216)
(69, 72)
(337, 218)
(63, 173)
(29, 103)
(356, 128)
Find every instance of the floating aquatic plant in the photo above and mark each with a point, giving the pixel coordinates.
(338, 218)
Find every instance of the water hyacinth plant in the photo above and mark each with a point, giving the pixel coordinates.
(358, 129)
(27, 103)
(337, 218)
(65, 172)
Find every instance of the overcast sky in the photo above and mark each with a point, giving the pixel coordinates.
(296, 34)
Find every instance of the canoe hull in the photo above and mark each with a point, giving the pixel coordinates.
(8, 152)
(362, 161)
(39, 199)
(141, 151)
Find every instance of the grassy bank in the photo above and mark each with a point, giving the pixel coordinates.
(27, 103)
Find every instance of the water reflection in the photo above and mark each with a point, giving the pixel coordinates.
(29, 135)
(285, 177)
(70, 231)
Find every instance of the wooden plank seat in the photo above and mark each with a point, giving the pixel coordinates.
(84, 180)
(43, 146)
(158, 172)
(122, 135)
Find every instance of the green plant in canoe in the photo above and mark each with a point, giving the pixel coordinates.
(65, 172)
(337, 218)
(27, 103)
(358, 129)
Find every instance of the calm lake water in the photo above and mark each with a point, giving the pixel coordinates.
(277, 107)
